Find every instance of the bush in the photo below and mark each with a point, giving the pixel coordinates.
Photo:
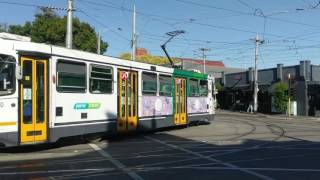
(280, 94)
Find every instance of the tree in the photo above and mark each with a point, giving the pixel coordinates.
(150, 59)
(280, 95)
(48, 27)
(3, 27)
(219, 86)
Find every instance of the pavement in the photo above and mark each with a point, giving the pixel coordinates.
(234, 146)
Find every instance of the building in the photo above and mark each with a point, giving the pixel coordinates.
(141, 52)
(237, 89)
(215, 68)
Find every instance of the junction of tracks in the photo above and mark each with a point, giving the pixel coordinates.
(234, 146)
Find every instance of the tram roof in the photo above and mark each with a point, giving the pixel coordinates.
(39, 49)
(51, 50)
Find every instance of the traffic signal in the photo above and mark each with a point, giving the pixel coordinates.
(293, 92)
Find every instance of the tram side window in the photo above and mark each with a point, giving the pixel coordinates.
(101, 79)
(194, 88)
(165, 85)
(203, 88)
(71, 77)
(149, 84)
(7, 71)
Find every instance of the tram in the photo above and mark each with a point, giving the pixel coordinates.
(49, 92)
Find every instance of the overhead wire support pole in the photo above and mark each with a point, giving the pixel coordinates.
(204, 58)
(256, 89)
(69, 35)
(99, 43)
(134, 35)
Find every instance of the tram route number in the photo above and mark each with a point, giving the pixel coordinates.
(125, 75)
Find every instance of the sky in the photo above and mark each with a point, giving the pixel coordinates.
(290, 29)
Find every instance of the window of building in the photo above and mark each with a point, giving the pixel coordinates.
(165, 85)
(149, 83)
(194, 87)
(101, 79)
(7, 74)
(71, 76)
(203, 88)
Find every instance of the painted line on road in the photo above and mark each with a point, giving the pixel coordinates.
(211, 159)
(256, 169)
(152, 118)
(117, 163)
(198, 114)
(56, 171)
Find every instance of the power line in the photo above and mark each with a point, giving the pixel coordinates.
(33, 5)
(198, 23)
(114, 6)
(246, 4)
(103, 25)
(249, 13)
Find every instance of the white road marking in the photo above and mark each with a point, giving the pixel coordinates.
(198, 114)
(144, 119)
(56, 171)
(117, 163)
(231, 166)
(228, 168)
(256, 169)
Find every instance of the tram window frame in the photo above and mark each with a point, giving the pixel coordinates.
(10, 61)
(203, 88)
(168, 82)
(194, 93)
(83, 75)
(154, 80)
(91, 78)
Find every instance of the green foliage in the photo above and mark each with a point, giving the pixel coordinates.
(50, 28)
(219, 87)
(150, 59)
(126, 56)
(280, 95)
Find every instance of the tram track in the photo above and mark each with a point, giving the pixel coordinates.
(237, 147)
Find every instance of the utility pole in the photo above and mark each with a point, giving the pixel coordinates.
(99, 43)
(69, 24)
(255, 91)
(204, 58)
(134, 35)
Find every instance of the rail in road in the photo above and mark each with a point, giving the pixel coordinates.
(234, 146)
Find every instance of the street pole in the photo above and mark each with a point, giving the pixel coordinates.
(204, 58)
(289, 93)
(99, 43)
(134, 40)
(69, 24)
(255, 91)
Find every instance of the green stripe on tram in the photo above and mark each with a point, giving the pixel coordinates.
(189, 74)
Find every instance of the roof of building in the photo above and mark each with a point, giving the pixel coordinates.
(199, 61)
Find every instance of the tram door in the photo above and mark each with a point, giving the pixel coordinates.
(33, 101)
(127, 100)
(180, 116)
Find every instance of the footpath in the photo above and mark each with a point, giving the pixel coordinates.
(270, 116)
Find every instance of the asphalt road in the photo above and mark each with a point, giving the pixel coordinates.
(234, 146)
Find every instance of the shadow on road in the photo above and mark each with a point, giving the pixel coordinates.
(160, 155)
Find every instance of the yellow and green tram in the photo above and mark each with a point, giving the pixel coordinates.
(49, 92)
